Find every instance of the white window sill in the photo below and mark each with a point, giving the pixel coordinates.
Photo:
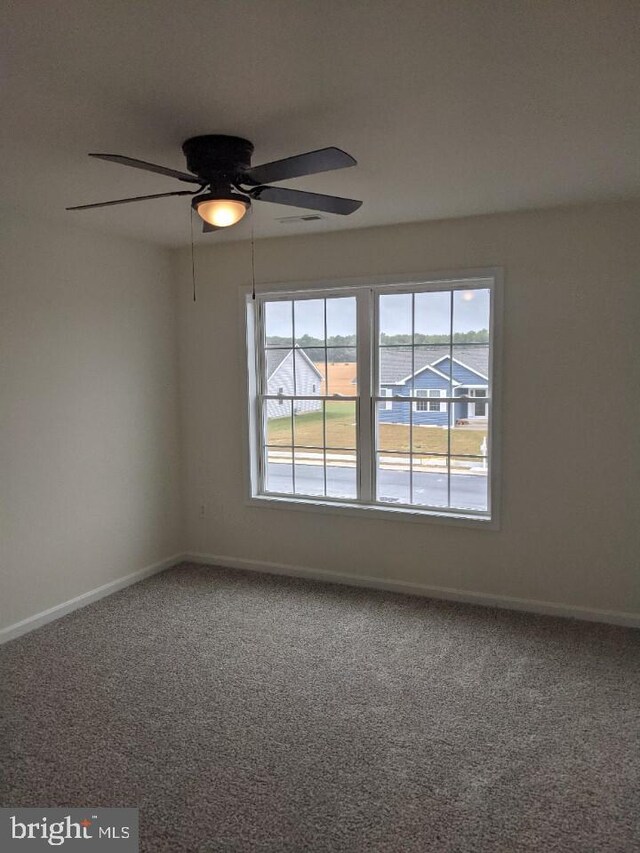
(386, 513)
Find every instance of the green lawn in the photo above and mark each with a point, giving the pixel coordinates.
(341, 432)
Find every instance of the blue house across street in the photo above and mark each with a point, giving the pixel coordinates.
(433, 375)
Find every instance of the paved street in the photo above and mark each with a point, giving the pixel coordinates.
(467, 490)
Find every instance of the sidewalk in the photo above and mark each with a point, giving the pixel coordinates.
(401, 463)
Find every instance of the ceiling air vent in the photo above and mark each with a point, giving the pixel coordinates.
(305, 217)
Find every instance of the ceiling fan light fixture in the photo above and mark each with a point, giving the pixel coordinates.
(221, 209)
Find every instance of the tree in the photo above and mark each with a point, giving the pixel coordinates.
(343, 346)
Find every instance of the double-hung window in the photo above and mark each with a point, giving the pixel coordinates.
(429, 404)
(375, 397)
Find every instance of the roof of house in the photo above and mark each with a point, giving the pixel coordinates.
(275, 357)
(396, 362)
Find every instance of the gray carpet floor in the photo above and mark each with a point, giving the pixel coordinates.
(245, 712)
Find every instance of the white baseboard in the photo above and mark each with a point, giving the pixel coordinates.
(613, 617)
(547, 608)
(39, 619)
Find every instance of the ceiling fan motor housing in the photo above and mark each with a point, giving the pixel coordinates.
(213, 157)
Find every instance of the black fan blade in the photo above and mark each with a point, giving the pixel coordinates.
(311, 201)
(207, 228)
(127, 200)
(148, 167)
(324, 160)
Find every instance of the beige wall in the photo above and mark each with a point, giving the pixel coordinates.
(89, 439)
(570, 498)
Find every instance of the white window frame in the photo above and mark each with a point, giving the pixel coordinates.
(431, 397)
(366, 401)
(387, 406)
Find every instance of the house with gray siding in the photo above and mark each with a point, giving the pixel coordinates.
(432, 372)
(280, 367)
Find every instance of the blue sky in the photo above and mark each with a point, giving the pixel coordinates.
(432, 314)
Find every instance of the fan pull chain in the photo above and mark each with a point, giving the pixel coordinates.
(193, 263)
(253, 266)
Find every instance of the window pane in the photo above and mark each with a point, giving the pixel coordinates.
(471, 313)
(471, 368)
(307, 423)
(278, 422)
(278, 328)
(472, 411)
(309, 318)
(471, 340)
(469, 437)
(430, 480)
(395, 369)
(432, 318)
(393, 478)
(342, 371)
(341, 321)
(341, 474)
(428, 410)
(321, 366)
(427, 438)
(432, 367)
(309, 471)
(395, 318)
(309, 371)
(278, 371)
(340, 424)
(393, 428)
(279, 470)
(469, 483)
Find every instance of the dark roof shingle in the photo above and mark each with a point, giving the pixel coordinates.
(396, 362)
(274, 358)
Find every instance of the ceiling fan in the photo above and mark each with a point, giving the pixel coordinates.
(228, 183)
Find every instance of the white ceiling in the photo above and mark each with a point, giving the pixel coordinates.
(452, 107)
